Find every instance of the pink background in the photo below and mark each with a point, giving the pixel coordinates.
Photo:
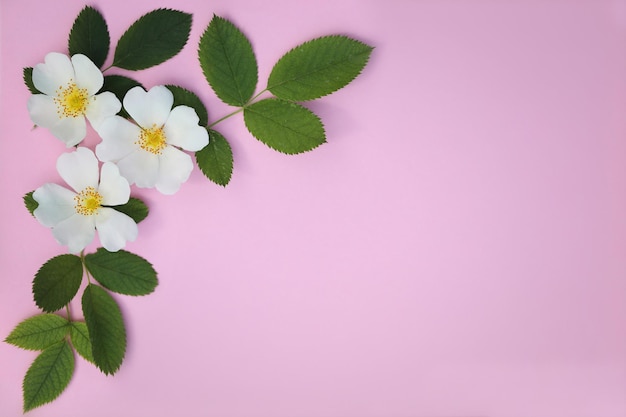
(456, 249)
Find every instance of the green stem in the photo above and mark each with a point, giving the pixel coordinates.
(239, 110)
(82, 259)
(257, 96)
(67, 309)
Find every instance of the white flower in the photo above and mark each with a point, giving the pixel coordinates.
(75, 216)
(69, 90)
(147, 152)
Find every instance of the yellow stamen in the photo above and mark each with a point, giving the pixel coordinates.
(88, 202)
(71, 101)
(152, 140)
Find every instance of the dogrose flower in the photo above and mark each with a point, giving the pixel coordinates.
(147, 153)
(69, 90)
(75, 216)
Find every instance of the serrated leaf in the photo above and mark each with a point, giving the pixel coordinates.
(216, 159)
(122, 272)
(135, 209)
(184, 97)
(28, 80)
(57, 282)
(79, 335)
(90, 36)
(30, 203)
(119, 85)
(106, 328)
(228, 62)
(48, 375)
(153, 39)
(284, 126)
(39, 332)
(318, 67)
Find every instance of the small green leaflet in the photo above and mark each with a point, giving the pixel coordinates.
(228, 62)
(216, 159)
(152, 39)
(318, 67)
(135, 209)
(39, 332)
(57, 282)
(106, 328)
(27, 74)
(122, 272)
(30, 203)
(119, 85)
(79, 336)
(284, 126)
(90, 36)
(183, 97)
(48, 375)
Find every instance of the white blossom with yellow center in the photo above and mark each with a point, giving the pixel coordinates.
(150, 152)
(69, 88)
(74, 216)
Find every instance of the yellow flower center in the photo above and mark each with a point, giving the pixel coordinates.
(71, 101)
(152, 140)
(88, 202)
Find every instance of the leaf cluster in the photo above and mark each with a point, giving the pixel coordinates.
(309, 71)
(151, 40)
(100, 339)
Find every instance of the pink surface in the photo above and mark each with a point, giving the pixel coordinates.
(457, 249)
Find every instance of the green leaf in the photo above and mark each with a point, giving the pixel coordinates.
(119, 85)
(284, 126)
(30, 203)
(48, 375)
(228, 62)
(183, 97)
(106, 328)
(57, 282)
(318, 67)
(79, 335)
(135, 209)
(153, 39)
(28, 80)
(90, 36)
(122, 272)
(39, 332)
(216, 159)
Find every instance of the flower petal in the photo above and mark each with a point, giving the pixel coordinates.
(56, 204)
(140, 168)
(55, 72)
(79, 169)
(115, 229)
(88, 75)
(150, 108)
(71, 130)
(174, 169)
(42, 110)
(181, 129)
(76, 232)
(113, 188)
(118, 139)
(102, 107)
